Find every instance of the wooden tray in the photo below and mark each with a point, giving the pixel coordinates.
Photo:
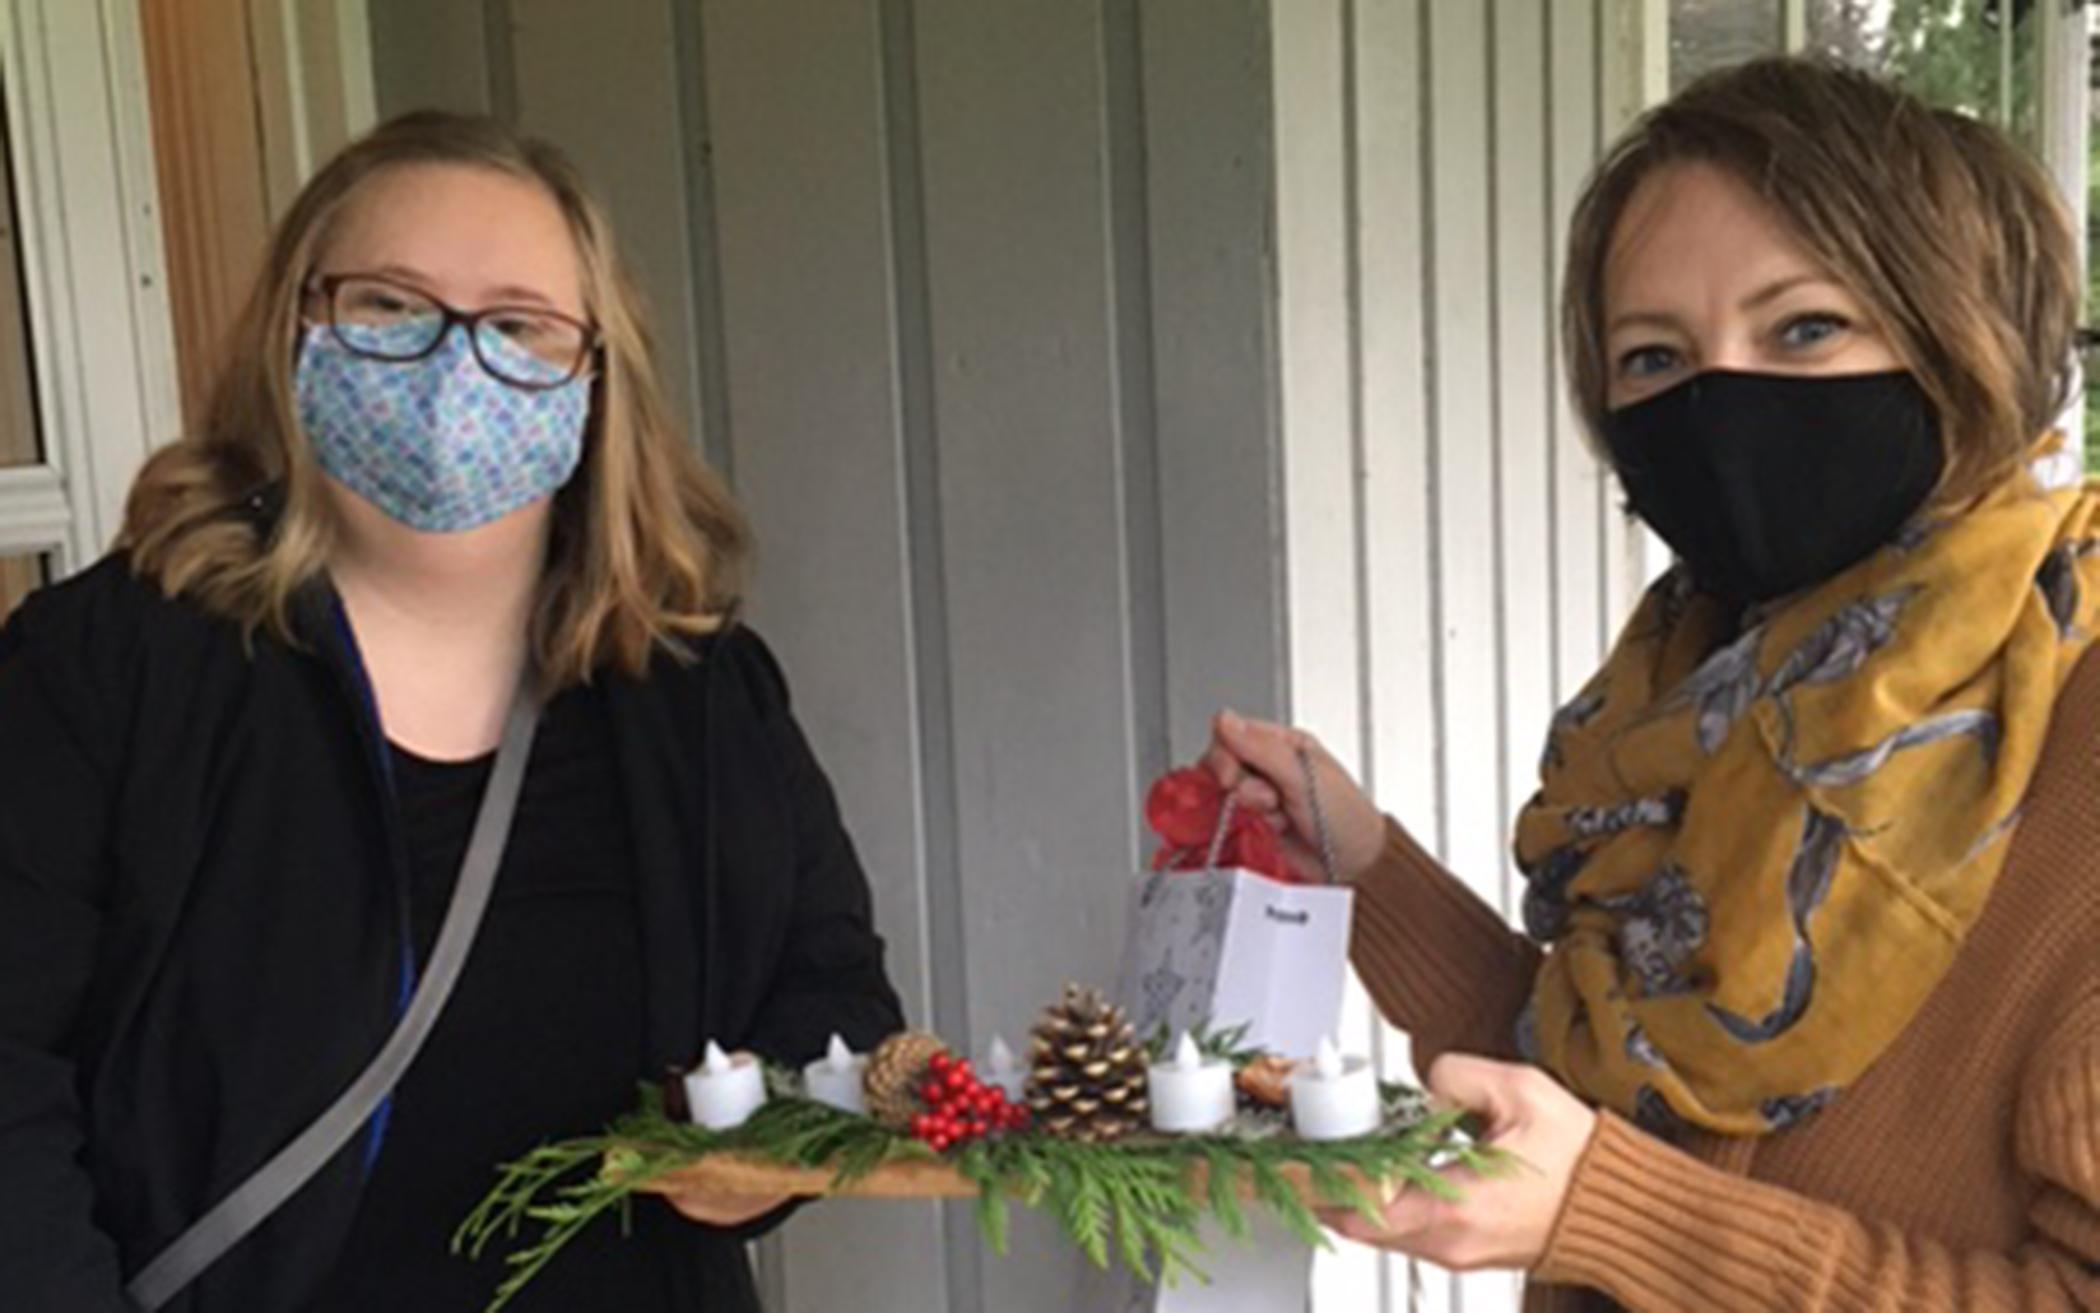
(918, 1178)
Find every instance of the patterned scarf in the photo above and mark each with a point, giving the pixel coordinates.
(1754, 854)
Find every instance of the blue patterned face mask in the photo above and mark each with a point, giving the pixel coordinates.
(438, 443)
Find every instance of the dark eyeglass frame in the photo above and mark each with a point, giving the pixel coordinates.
(325, 286)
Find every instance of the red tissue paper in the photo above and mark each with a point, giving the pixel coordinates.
(1184, 807)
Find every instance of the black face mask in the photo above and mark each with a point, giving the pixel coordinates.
(1767, 483)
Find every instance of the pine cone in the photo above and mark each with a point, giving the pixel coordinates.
(895, 1071)
(1087, 1074)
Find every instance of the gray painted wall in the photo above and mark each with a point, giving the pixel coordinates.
(1087, 365)
(972, 301)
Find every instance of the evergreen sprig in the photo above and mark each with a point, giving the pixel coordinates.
(1136, 1202)
(1228, 1043)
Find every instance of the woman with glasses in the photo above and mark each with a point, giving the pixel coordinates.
(1807, 1011)
(436, 550)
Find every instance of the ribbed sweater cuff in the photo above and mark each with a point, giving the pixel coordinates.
(1436, 957)
(1656, 1229)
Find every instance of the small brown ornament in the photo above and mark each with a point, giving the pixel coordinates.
(1086, 1077)
(895, 1070)
(1266, 1080)
(673, 1085)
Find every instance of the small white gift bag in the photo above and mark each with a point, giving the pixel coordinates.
(1224, 948)
(1231, 948)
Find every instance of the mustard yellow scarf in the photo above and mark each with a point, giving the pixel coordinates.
(1754, 854)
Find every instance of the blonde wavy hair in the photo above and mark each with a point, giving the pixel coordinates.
(1952, 235)
(647, 547)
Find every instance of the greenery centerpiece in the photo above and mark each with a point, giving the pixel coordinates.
(1137, 1198)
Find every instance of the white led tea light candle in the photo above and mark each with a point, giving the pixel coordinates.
(1001, 1069)
(724, 1090)
(835, 1078)
(1334, 1098)
(1190, 1093)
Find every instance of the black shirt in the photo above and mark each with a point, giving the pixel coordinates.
(541, 1039)
(200, 900)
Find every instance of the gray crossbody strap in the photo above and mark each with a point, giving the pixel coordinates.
(240, 1212)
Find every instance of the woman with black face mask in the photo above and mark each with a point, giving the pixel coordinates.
(1807, 1010)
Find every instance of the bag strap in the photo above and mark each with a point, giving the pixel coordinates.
(233, 1217)
(1324, 839)
(1328, 865)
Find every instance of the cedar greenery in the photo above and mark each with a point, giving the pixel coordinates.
(1130, 1202)
(1228, 1043)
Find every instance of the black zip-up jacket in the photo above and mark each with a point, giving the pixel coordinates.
(200, 885)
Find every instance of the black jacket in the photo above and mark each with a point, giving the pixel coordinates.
(200, 884)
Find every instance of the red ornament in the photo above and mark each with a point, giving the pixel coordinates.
(1183, 807)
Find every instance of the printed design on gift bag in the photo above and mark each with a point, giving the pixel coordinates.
(1162, 985)
(1177, 933)
(1149, 892)
(1213, 907)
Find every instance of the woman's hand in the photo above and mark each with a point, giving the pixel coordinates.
(715, 1208)
(1258, 761)
(1505, 1220)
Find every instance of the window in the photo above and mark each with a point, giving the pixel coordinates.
(1952, 53)
(24, 564)
(19, 441)
(19, 577)
(1712, 34)
(80, 264)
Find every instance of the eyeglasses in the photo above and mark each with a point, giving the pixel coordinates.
(525, 346)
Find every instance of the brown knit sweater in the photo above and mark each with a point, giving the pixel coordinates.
(1961, 1173)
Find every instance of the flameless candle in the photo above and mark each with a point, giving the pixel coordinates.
(724, 1090)
(835, 1078)
(1190, 1093)
(1001, 1070)
(1335, 1098)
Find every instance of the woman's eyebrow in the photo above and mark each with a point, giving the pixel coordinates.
(1643, 319)
(513, 295)
(1773, 291)
(403, 273)
(510, 294)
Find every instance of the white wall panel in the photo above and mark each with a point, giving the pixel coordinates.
(1456, 561)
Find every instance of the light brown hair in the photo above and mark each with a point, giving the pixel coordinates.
(1951, 235)
(646, 546)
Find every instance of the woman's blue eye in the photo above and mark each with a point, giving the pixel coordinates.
(1647, 361)
(1804, 331)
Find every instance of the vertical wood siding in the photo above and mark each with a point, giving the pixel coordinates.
(1456, 562)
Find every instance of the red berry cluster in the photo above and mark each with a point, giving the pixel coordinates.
(960, 1107)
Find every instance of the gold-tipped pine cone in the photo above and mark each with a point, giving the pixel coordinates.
(894, 1073)
(1086, 1078)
